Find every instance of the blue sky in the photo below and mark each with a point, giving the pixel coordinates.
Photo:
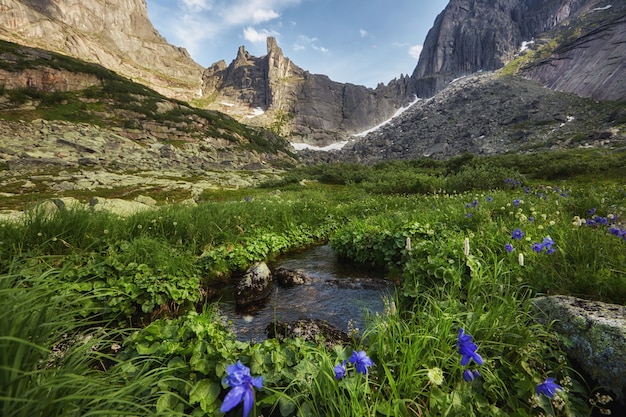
(357, 41)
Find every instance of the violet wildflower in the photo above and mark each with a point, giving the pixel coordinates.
(537, 247)
(509, 248)
(361, 361)
(489, 199)
(340, 371)
(242, 388)
(517, 234)
(467, 348)
(548, 387)
(516, 202)
(469, 376)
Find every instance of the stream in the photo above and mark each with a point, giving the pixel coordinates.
(317, 299)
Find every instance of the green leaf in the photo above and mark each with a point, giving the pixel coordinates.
(205, 392)
(166, 402)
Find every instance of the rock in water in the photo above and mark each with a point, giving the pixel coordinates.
(254, 287)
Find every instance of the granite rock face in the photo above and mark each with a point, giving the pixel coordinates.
(596, 334)
(274, 92)
(482, 35)
(114, 33)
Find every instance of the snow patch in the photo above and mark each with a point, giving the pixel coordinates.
(223, 103)
(256, 112)
(602, 8)
(457, 79)
(525, 45)
(396, 114)
(332, 147)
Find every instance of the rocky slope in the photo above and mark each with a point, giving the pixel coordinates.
(114, 33)
(272, 91)
(68, 125)
(489, 113)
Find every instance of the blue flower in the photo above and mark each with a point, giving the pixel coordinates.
(467, 348)
(516, 202)
(537, 247)
(509, 248)
(548, 387)
(361, 361)
(489, 199)
(474, 203)
(591, 211)
(469, 376)
(340, 371)
(517, 234)
(241, 382)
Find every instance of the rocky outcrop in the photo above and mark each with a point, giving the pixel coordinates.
(114, 33)
(274, 92)
(487, 114)
(595, 334)
(483, 35)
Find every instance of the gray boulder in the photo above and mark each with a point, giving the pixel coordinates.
(289, 277)
(254, 287)
(596, 334)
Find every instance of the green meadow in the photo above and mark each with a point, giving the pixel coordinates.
(108, 316)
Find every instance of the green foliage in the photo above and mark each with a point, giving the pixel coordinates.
(82, 266)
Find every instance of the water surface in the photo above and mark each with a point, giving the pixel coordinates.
(317, 299)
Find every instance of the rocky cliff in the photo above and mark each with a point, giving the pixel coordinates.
(483, 35)
(114, 33)
(273, 91)
(588, 57)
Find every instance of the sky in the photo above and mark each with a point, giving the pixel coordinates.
(363, 42)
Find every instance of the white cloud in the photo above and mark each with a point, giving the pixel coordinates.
(197, 5)
(255, 36)
(363, 33)
(243, 12)
(305, 42)
(415, 51)
(262, 15)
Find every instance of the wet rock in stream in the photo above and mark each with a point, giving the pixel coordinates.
(310, 330)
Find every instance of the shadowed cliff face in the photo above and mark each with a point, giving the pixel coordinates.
(306, 107)
(474, 35)
(114, 33)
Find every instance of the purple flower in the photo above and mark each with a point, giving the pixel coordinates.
(517, 234)
(516, 202)
(591, 211)
(469, 376)
(467, 348)
(474, 203)
(537, 247)
(547, 242)
(340, 371)
(489, 199)
(509, 248)
(361, 361)
(241, 382)
(548, 387)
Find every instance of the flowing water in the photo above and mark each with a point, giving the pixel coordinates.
(317, 299)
